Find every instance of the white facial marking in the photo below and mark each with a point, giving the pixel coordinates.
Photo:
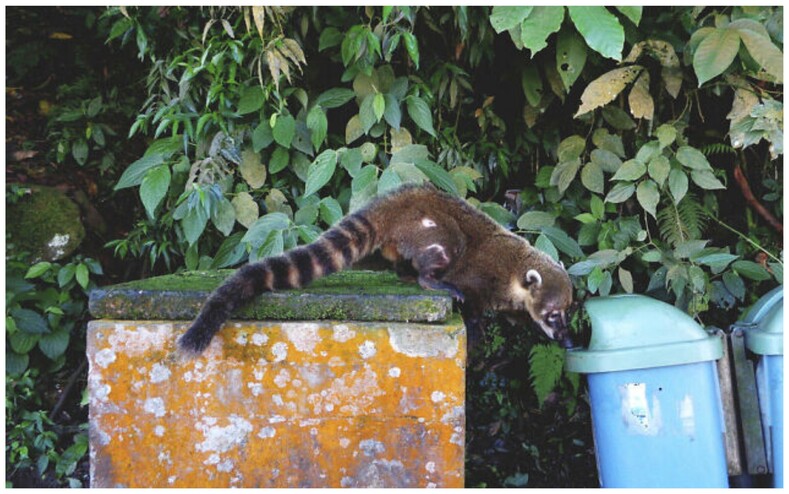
(428, 223)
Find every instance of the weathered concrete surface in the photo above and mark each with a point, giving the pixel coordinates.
(278, 405)
(352, 295)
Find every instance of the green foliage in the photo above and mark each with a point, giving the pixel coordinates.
(46, 306)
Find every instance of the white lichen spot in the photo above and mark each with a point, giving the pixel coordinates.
(394, 372)
(280, 351)
(171, 479)
(367, 349)
(259, 339)
(259, 372)
(155, 406)
(343, 333)
(431, 485)
(105, 357)
(304, 336)
(221, 439)
(282, 379)
(225, 466)
(329, 407)
(370, 447)
(457, 413)
(275, 419)
(344, 442)
(423, 342)
(267, 432)
(104, 438)
(256, 388)
(159, 430)
(430, 466)
(102, 392)
(241, 338)
(437, 396)
(457, 436)
(277, 399)
(159, 373)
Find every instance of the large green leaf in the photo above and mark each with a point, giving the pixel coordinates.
(764, 52)
(284, 130)
(592, 177)
(570, 57)
(420, 114)
(692, 158)
(259, 232)
(504, 17)
(541, 23)
(134, 174)
(334, 97)
(601, 30)
(252, 169)
(631, 12)
(252, 100)
(677, 184)
(715, 53)
(440, 177)
(648, 196)
(194, 224)
(154, 187)
(54, 344)
(224, 217)
(29, 321)
(320, 171)
(562, 241)
(620, 192)
(318, 125)
(605, 88)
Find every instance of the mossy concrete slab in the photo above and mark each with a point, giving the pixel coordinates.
(348, 295)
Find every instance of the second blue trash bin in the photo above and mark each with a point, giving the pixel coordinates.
(764, 336)
(655, 399)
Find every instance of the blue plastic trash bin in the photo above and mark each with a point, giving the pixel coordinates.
(656, 411)
(764, 336)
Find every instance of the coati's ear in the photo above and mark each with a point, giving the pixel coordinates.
(533, 278)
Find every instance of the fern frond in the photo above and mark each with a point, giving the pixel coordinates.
(681, 222)
(717, 148)
(546, 363)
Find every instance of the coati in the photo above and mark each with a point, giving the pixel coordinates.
(442, 240)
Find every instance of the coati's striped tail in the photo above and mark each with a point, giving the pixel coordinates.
(351, 239)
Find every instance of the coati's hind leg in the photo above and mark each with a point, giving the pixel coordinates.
(431, 263)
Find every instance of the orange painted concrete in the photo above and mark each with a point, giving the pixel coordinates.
(278, 404)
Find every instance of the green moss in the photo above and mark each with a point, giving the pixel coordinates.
(344, 282)
(46, 224)
(349, 295)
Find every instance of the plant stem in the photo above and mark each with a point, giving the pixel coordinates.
(744, 237)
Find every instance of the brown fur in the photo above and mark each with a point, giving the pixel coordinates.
(440, 240)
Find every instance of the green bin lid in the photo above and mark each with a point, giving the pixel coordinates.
(766, 317)
(638, 332)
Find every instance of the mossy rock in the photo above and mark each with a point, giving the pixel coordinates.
(348, 295)
(46, 224)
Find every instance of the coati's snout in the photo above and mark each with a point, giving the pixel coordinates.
(555, 326)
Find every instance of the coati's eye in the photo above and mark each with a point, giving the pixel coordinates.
(554, 319)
